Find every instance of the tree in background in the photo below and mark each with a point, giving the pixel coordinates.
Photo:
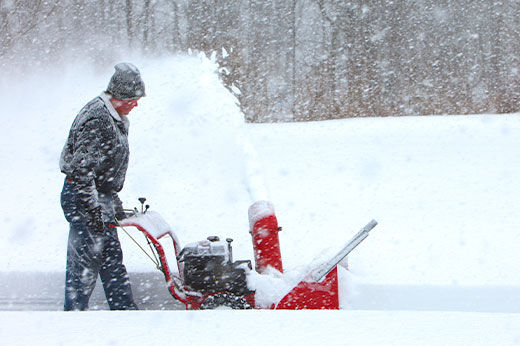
(296, 60)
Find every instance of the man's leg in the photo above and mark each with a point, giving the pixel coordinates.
(83, 263)
(114, 276)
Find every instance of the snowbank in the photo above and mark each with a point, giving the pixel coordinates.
(261, 328)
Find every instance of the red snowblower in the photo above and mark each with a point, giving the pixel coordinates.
(207, 277)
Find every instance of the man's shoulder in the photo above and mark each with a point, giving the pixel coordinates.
(96, 105)
(94, 110)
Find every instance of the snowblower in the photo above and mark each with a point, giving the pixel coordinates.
(207, 277)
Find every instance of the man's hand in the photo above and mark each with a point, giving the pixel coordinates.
(120, 212)
(120, 215)
(95, 220)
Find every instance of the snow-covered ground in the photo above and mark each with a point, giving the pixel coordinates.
(444, 190)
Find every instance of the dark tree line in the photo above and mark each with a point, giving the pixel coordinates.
(298, 59)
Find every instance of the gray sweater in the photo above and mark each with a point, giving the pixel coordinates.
(95, 156)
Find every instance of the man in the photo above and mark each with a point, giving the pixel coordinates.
(95, 160)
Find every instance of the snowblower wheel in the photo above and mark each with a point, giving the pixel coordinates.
(225, 300)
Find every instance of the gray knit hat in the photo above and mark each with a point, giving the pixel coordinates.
(126, 82)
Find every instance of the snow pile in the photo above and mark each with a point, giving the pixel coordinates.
(271, 286)
(223, 327)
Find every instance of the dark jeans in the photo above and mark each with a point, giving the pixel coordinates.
(90, 254)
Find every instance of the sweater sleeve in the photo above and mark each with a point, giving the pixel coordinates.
(88, 153)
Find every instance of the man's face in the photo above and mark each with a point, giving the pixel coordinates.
(123, 107)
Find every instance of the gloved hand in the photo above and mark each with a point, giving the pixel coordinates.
(94, 220)
(118, 206)
(120, 215)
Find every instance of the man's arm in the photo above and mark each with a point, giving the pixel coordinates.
(86, 157)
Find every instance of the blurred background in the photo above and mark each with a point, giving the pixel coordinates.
(295, 60)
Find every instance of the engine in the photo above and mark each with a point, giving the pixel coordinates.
(209, 267)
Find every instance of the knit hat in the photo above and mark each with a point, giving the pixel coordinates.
(126, 82)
